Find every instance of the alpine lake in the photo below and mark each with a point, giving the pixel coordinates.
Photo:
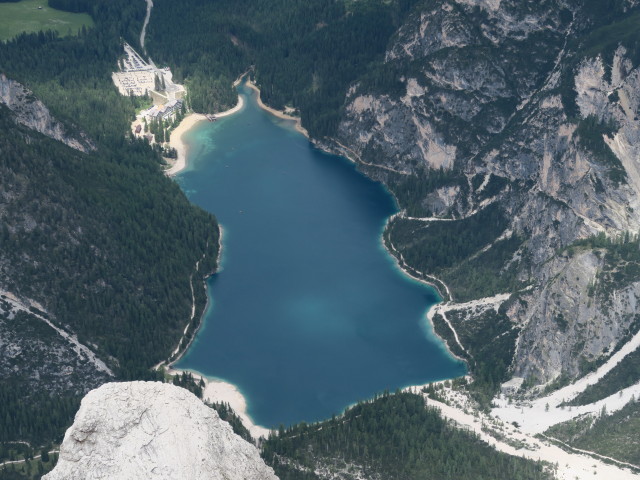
(308, 313)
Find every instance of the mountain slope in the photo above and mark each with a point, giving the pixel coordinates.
(517, 123)
(102, 257)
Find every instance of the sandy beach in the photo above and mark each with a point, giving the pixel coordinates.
(278, 113)
(175, 141)
(219, 391)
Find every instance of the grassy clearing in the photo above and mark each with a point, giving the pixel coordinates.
(25, 16)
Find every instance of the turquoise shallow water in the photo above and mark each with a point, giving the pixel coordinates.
(308, 313)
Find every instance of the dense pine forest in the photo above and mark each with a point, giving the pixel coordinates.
(391, 437)
(611, 434)
(102, 240)
(292, 46)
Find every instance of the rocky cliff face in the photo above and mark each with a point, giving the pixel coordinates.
(154, 431)
(520, 109)
(32, 113)
(461, 77)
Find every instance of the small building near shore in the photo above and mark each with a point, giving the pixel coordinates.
(151, 113)
(167, 111)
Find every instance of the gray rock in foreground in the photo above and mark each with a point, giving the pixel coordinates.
(151, 430)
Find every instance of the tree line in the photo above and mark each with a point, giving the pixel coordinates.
(291, 46)
(394, 437)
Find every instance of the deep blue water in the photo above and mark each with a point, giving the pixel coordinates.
(308, 313)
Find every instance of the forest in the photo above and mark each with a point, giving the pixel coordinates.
(623, 375)
(489, 340)
(290, 46)
(394, 436)
(467, 254)
(104, 241)
(612, 434)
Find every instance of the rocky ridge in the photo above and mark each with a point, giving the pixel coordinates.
(32, 113)
(155, 431)
(519, 118)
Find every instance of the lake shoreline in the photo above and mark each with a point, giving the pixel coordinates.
(189, 122)
(278, 113)
(331, 146)
(459, 407)
(217, 390)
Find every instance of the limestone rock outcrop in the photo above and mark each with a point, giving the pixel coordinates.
(32, 113)
(151, 430)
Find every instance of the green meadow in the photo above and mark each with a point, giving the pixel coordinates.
(25, 16)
